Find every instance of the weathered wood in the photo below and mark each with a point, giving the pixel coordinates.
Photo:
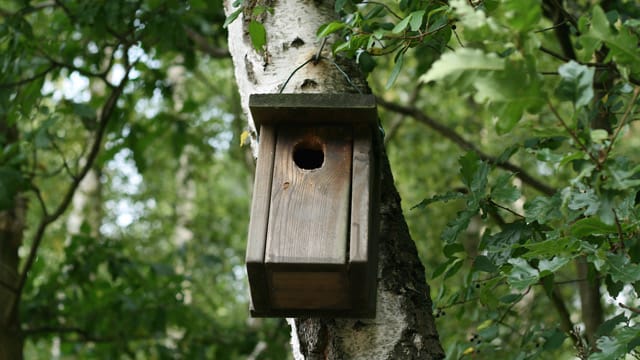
(363, 253)
(319, 258)
(313, 108)
(258, 222)
(310, 290)
(309, 214)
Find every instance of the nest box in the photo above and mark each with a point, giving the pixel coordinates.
(312, 248)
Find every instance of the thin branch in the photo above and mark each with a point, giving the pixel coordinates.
(572, 133)
(43, 205)
(630, 308)
(623, 121)
(203, 45)
(64, 160)
(567, 59)
(29, 79)
(565, 318)
(555, 26)
(466, 145)
(506, 209)
(395, 125)
(107, 111)
(385, 6)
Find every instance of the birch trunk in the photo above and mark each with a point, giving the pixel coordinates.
(12, 223)
(404, 327)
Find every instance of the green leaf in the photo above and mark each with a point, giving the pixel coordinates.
(554, 339)
(504, 190)
(234, 15)
(450, 195)
(522, 275)
(521, 15)
(258, 35)
(330, 28)
(551, 247)
(622, 269)
(396, 70)
(451, 249)
(623, 44)
(547, 267)
(542, 209)
(576, 84)
(401, 25)
(456, 226)
(610, 348)
(366, 62)
(416, 20)
(606, 328)
(585, 200)
(482, 263)
(591, 226)
(454, 64)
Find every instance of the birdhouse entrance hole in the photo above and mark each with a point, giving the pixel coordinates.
(309, 154)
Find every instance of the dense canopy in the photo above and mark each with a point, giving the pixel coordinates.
(126, 175)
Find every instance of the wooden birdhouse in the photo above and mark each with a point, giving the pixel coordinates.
(312, 248)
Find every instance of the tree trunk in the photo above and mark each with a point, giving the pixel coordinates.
(11, 228)
(404, 327)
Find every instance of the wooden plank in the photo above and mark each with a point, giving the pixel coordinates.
(310, 290)
(360, 194)
(259, 217)
(313, 108)
(308, 218)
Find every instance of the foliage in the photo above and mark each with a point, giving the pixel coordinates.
(134, 80)
(553, 88)
(533, 103)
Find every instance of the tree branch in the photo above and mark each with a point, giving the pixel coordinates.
(466, 145)
(28, 79)
(203, 45)
(107, 111)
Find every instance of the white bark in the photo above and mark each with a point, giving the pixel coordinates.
(291, 41)
(403, 327)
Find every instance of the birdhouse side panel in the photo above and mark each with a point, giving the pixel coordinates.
(257, 238)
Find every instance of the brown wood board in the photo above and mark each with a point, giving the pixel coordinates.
(309, 214)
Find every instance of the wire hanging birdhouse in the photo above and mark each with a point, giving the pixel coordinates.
(312, 247)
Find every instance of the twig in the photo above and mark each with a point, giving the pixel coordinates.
(29, 79)
(573, 134)
(555, 26)
(203, 45)
(505, 209)
(107, 111)
(630, 308)
(64, 160)
(385, 6)
(466, 145)
(567, 59)
(623, 121)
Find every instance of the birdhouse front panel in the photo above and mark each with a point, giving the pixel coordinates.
(312, 234)
(310, 196)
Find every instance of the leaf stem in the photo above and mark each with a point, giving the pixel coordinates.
(573, 135)
(623, 121)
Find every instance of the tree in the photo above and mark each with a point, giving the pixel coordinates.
(263, 43)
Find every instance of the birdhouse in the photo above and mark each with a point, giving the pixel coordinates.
(312, 248)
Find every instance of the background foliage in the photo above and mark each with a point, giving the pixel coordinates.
(511, 128)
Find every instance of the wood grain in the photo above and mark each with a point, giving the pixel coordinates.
(361, 194)
(309, 214)
(310, 290)
(259, 217)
